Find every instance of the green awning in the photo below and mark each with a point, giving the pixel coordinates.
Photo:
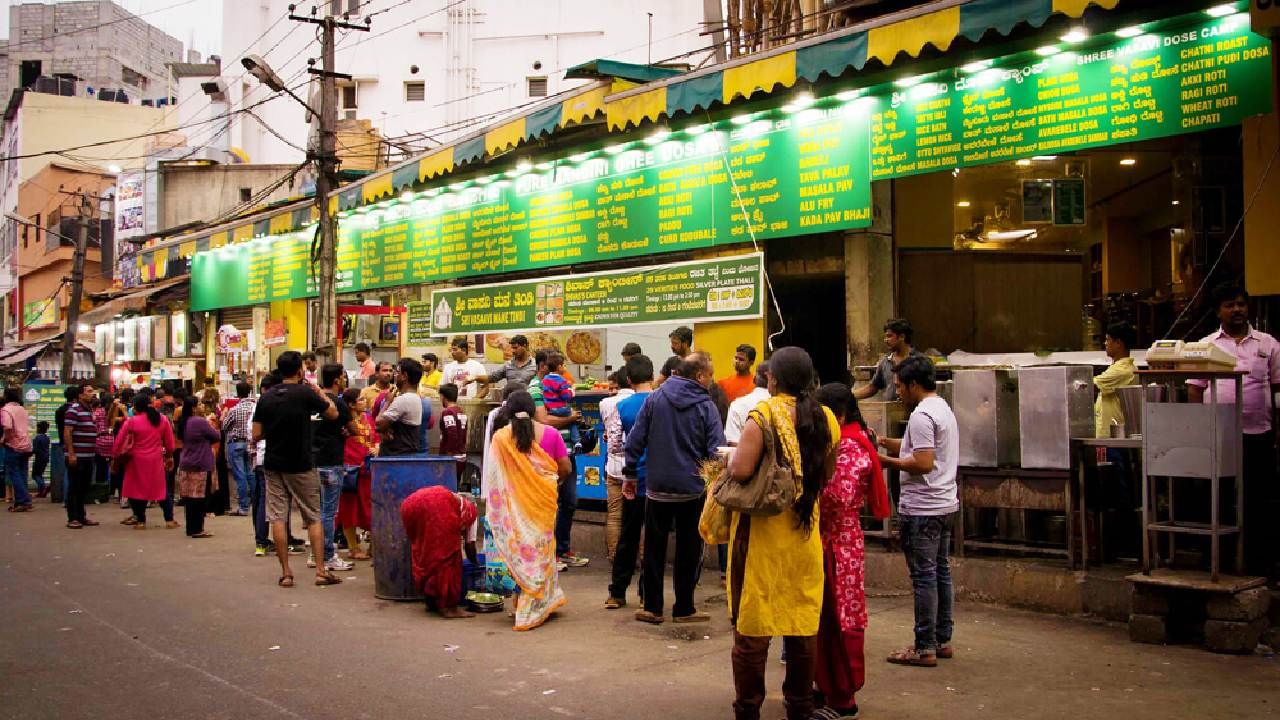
(598, 69)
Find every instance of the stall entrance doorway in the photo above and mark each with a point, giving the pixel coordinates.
(813, 310)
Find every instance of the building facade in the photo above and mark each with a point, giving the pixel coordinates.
(422, 76)
(91, 48)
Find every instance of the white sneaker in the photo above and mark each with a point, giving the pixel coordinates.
(337, 563)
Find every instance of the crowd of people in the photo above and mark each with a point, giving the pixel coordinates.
(796, 571)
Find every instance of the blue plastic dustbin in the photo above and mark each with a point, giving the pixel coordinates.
(393, 480)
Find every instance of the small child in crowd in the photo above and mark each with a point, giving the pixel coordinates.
(556, 390)
(453, 426)
(40, 450)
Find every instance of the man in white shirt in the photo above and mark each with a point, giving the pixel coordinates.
(928, 458)
(740, 408)
(469, 375)
(615, 458)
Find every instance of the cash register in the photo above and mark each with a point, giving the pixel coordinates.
(1180, 355)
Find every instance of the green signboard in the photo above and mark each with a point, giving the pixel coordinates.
(417, 324)
(792, 172)
(721, 289)
(42, 401)
(1182, 79)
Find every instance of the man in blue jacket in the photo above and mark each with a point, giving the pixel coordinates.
(676, 430)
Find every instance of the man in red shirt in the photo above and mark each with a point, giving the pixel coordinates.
(742, 381)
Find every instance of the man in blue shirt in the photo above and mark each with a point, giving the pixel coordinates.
(639, 370)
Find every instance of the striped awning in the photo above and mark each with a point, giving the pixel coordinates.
(894, 38)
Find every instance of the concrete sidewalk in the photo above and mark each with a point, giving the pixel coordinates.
(109, 621)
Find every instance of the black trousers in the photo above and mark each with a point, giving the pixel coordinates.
(627, 550)
(79, 481)
(659, 519)
(1261, 506)
(194, 510)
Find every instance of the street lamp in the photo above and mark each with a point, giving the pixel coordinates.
(326, 161)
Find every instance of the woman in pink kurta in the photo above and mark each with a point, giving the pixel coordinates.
(145, 446)
(858, 479)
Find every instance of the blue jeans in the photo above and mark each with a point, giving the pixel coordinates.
(330, 491)
(566, 503)
(15, 472)
(926, 542)
(241, 472)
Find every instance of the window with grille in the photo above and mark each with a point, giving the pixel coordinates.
(537, 86)
(415, 91)
(347, 107)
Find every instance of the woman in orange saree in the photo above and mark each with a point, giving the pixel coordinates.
(523, 464)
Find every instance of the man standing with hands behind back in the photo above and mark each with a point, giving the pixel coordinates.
(928, 458)
(1258, 356)
(283, 419)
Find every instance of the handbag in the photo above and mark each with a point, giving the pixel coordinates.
(126, 449)
(769, 491)
(351, 478)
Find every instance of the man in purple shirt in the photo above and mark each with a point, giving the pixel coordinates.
(1258, 356)
(80, 445)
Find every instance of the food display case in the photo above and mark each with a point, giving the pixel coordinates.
(986, 409)
(1055, 404)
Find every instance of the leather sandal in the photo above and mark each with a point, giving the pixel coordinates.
(910, 656)
(285, 581)
(647, 617)
(328, 579)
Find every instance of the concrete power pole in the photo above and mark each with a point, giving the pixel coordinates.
(325, 258)
(77, 291)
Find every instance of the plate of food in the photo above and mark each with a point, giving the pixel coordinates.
(583, 348)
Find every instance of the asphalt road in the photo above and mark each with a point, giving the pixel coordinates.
(112, 622)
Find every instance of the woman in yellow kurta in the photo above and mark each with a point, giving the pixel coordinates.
(775, 562)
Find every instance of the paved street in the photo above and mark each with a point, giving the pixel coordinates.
(112, 622)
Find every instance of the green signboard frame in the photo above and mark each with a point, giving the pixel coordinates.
(769, 174)
(42, 401)
(1190, 74)
(803, 168)
(730, 288)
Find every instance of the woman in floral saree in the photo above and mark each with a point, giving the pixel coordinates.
(523, 464)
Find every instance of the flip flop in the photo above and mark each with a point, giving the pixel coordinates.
(328, 579)
(285, 581)
(205, 534)
(131, 520)
(648, 617)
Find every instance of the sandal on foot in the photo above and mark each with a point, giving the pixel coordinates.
(648, 617)
(74, 525)
(204, 534)
(614, 603)
(914, 658)
(171, 525)
(285, 581)
(131, 520)
(693, 617)
(328, 579)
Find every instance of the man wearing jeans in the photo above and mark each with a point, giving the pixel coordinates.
(928, 458)
(676, 429)
(328, 443)
(235, 431)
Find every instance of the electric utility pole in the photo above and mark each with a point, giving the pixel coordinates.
(325, 254)
(77, 291)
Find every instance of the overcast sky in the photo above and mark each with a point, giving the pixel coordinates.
(197, 23)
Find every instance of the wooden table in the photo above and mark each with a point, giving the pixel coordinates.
(1015, 489)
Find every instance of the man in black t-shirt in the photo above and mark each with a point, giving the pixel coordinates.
(329, 440)
(283, 419)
